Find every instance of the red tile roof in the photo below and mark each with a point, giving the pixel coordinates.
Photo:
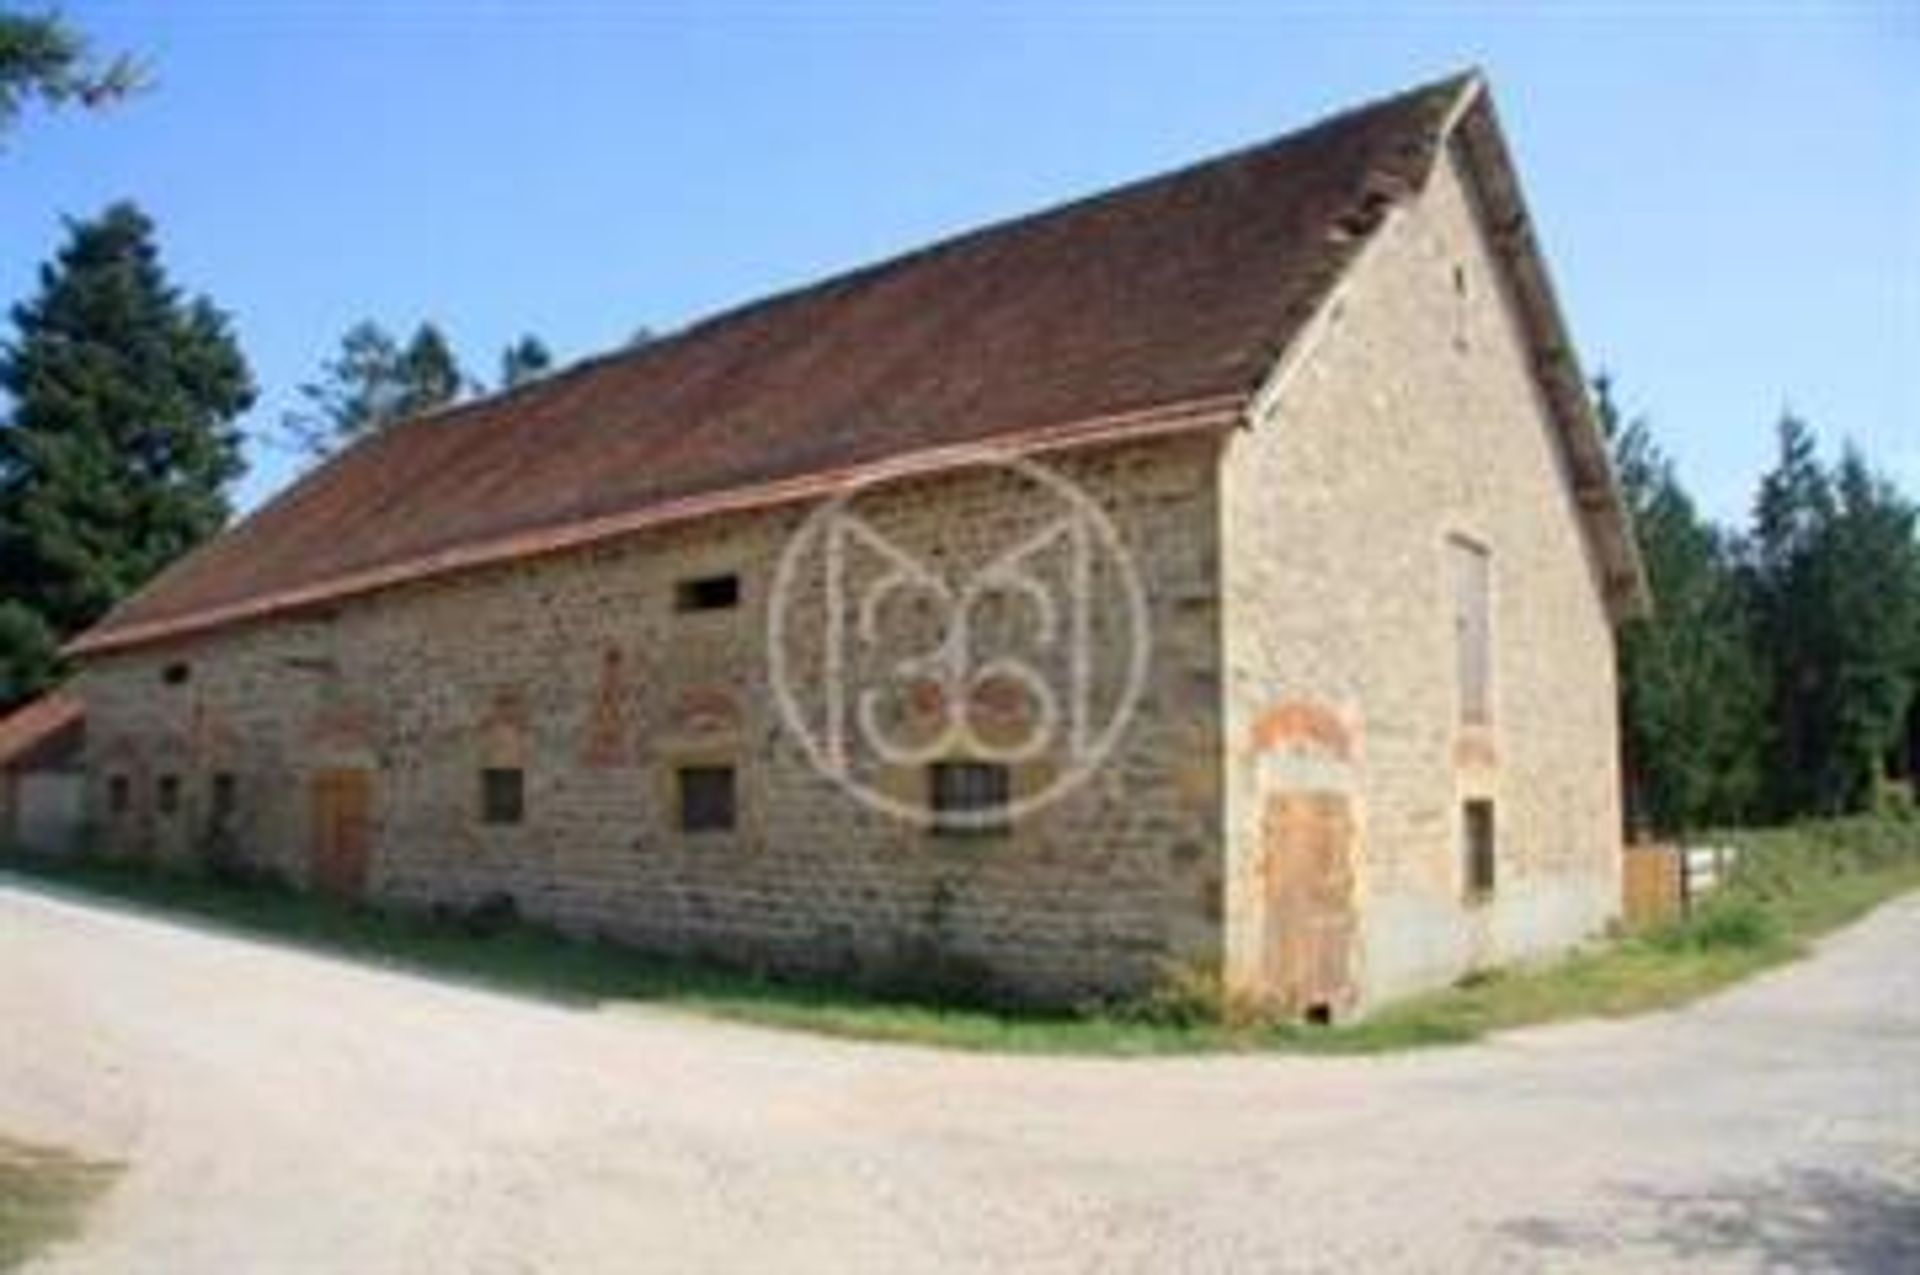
(1162, 304)
(41, 731)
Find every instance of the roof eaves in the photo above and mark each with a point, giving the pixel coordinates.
(1165, 420)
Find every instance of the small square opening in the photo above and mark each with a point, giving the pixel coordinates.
(503, 795)
(707, 593)
(707, 798)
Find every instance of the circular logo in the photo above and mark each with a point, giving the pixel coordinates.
(958, 649)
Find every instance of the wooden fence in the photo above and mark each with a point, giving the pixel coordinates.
(1662, 882)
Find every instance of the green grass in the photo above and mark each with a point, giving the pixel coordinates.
(44, 1196)
(1793, 885)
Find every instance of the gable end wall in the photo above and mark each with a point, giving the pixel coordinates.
(1414, 418)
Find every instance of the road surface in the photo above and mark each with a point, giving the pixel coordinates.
(286, 1112)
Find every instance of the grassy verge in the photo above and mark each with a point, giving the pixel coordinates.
(44, 1194)
(1793, 885)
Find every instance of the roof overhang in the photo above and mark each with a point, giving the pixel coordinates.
(1214, 414)
(1477, 138)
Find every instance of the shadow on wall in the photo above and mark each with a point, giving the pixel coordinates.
(1799, 1220)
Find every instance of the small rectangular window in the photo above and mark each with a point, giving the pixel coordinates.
(225, 796)
(503, 795)
(706, 798)
(176, 674)
(1477, 834)
(119, 794)
(167, 795)
(707, 593)
(969, 796)
(1473, 630)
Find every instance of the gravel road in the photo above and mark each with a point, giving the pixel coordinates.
(285, 1112)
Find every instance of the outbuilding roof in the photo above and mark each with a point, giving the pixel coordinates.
(1159, 306)
(42, 733)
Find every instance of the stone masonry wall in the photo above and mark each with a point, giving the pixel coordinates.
(578, 669)
(1414, 420)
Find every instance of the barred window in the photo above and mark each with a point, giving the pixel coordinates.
(969, 796)
(167, 795)
(119, 794)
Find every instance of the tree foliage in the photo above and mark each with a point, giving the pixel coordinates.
(120, 440)
(523, 361)
(43, 58)
(1781, 667)
(1690, 690)
(372, 382)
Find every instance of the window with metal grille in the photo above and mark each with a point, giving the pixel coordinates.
(969, 796)
(706, 798)
(707, 593)
(167, 795)
(1473, 629)
(503, 795)
(119, 794)
(1477, 839)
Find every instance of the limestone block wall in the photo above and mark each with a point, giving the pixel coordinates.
(579, 670)
(1413, 420)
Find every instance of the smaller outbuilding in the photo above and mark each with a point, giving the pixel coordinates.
(42, 781)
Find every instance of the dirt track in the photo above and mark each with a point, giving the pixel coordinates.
(288, 1113)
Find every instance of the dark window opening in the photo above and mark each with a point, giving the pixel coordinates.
(707, 593)
(1477, 830)
(226, 796)
(176, 674)
(119, 794)
(969, 795)
(706, 798)
(167, 795)
(503, 795)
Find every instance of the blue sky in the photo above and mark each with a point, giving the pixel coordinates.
(1729, 194)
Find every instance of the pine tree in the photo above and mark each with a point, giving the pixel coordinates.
(523, 361)
(121, 439)
(1690, 691)
(371, 383)
(430, 375)
(43, 58)
(1871, 567)
(1834, 573)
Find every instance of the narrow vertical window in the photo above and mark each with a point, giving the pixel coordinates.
(167, 795)
(1477, 842)
(119, 794)
(225, 796)
(1472, 574)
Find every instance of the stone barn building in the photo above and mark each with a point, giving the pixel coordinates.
(1322, 397)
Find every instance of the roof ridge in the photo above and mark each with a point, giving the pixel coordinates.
(1452, 86)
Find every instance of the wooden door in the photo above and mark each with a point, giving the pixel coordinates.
(342, 803)
(1308, 855)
